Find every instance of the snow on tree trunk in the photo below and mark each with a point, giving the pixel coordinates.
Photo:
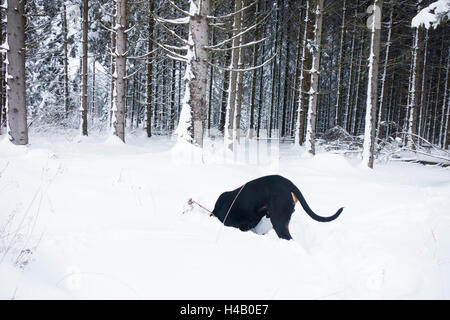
(151, 24)
(383, 78)
(15, 72)
(296, 81)
(225, 83)
(357, 107)
(432, 15)
(340, 79)
(436, 102)
(253, 90)
(118, 120)
(443, 127)
(313, 92)
(422, 89)
(414, 90)
(240, 79)
(192, 117)
(347, 121)
(84, 72)
(211, 82)
(66, 60)
(447, 127)
(300, 111)
(2, 84)
(371, 102)
(113, 65)
(231, 103)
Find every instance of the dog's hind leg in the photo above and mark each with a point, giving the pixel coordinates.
(280, 212)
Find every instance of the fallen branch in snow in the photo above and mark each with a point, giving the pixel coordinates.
(191, 202)
(391, 150)
(425, 163)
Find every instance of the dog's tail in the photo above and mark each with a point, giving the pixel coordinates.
(308, 210)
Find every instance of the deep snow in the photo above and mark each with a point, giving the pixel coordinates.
(104, 220)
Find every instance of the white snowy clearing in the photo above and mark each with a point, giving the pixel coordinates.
(93, 219)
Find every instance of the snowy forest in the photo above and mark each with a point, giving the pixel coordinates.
(295, 69)
(123, 121)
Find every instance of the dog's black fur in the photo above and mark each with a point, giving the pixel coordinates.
(266, 196)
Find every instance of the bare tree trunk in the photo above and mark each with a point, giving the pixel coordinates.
(199, 31)
(313, 91)
(347, 118)
(297, 80)
(422, 89)
(225, 93)
(133, 102)
(261, 91)
(113, 64)
(156, 104)
(231, 104)
(254, 76)
(447, 127)
(172, 98)
(427, 110)
(15, 81)
(180, 85)
(434, 117)
(383, 78)
(285, 93)
(3, 111)
(305, 77)
(84, 72)
(443, 129)
(372, 86)
(121, 62)
(93, 90)
(240, 77)
(164, 109)
(211, 80)
(151, 24)
(357, 108)
(2, 84)
(66, 61)
(414, 92)
(340, 77)
(192, 115)
(274, 71)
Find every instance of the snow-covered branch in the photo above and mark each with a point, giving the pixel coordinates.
(171, 32)
(170, 53)
(106, 28)
(183, 20)
(432, 15)
(144, 55)
(104, 10)
(179, 9)
(241, 46)
(234, 13)
(241, 33)
(246, 69)
(132, 74)
(130, 28)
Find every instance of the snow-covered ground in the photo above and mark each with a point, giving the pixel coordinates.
(105, 220)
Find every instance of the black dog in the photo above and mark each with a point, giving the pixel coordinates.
(272, 196)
